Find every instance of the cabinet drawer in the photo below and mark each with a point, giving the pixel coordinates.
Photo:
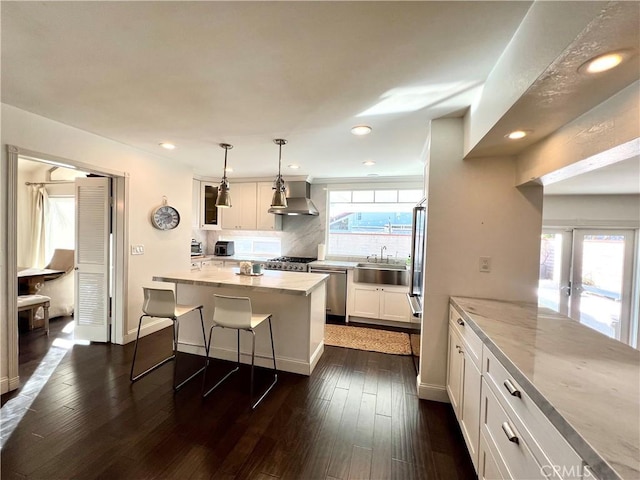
(500, 430)
(546, 443)
(470, 337)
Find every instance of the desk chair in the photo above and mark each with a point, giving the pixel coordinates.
(161, 303)
(236, 313)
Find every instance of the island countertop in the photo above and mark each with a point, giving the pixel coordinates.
(585, 383)
(292, 283)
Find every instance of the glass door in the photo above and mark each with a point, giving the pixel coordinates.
(601, 281)
(588, 275)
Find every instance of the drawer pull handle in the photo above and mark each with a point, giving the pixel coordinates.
(512, 390)
(460, 322)
(506, 428)
(459, 349)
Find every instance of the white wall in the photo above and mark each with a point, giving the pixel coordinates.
(150, 177)
(620, 211)
(474, 210)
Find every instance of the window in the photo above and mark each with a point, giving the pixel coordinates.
(362, 222)
(60, 225)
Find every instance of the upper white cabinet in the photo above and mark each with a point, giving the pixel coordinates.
(249, 205)
(266, 220)
(207, 213)
(242, 214)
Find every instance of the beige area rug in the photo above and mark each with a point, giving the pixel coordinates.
(370, 339)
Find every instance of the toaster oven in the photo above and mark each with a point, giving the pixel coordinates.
(224, 248)
(196, 248)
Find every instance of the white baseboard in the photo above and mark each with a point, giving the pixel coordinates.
(148, 327)
(282, 363)
(7, 384)
(437, 393)
(315, 357)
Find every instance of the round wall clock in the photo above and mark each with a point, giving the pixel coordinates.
(165, 217)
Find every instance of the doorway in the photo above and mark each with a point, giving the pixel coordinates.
(117, 307)
(587, 274)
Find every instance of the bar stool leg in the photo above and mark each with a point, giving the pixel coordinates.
(135, 353)
(275, 371)
(205, 394)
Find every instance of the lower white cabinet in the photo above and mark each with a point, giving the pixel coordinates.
(382, 302)
(507, 435)
(199, 264)
(464, 383)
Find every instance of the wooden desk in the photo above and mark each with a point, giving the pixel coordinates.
(30, 280)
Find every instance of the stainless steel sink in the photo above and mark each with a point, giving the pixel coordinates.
(381, 266)
(381, 273)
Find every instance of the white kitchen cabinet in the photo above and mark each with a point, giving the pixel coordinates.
(208, 214)
(464, 380)
(200, 263)
(507, 435)
(195, 204)
(266, 220)
(242, 213)
(381, 302)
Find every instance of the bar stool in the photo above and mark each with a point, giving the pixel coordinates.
(236, 313)
(161, 303)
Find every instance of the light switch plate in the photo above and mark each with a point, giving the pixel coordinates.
(137, 249)
(485, 264)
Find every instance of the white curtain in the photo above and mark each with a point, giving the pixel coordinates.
(40, 207)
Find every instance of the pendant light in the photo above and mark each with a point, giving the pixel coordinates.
(224, 199)
(279, 199)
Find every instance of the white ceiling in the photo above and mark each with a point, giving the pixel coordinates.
(200, 73)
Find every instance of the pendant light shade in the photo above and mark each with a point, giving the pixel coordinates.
(279, 199)
(224, 198)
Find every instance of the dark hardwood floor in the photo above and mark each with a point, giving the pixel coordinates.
(356, 417)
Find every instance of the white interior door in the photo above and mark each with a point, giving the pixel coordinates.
(92, 259)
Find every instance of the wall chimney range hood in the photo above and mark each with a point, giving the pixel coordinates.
(298, 200)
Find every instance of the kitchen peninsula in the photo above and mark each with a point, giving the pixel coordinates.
(296, 300)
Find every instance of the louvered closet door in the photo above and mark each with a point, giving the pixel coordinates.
(92, 259)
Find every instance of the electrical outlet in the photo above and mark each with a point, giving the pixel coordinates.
(485, 264)
(137, 249)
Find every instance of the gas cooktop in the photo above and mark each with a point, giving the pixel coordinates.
(293, 264)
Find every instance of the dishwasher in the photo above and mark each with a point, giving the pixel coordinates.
(336, 288)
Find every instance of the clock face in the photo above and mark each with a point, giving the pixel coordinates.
(165, 218)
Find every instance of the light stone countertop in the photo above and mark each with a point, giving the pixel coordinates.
(587, 384)
(271, 281)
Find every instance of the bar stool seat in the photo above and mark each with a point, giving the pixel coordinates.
(161, 303)
(236, 313)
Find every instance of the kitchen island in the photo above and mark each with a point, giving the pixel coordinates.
(296, 301)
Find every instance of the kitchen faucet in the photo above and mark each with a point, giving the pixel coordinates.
(382, 249)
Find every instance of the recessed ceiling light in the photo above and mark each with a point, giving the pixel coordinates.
(368, 163)
(361, 130)
(294, 166)
(517, 134)
(372, 175)
(604, 62)
(168, 146)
